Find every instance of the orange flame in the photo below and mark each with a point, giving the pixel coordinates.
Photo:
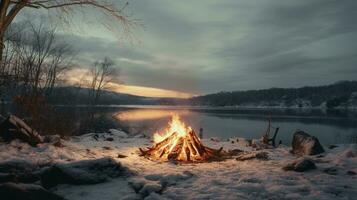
(175, 125)
(180, 143)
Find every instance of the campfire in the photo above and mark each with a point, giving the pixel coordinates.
(180, 143)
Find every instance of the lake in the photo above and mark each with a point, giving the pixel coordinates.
(330, 126)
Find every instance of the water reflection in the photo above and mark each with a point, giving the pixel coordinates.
(142, 114)
(329, 127)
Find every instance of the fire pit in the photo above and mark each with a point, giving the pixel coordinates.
(180, 143)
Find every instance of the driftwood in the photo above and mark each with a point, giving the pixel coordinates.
(14, 128)
(266, 137)
(252, 155)
(187, 148)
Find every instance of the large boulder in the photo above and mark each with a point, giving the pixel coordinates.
(305, 144)
(15, 191)
(300, 165)
(19, 171)
(14, 128)
(83, 172)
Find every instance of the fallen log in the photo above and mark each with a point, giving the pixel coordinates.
(252, 155)
(14, 128)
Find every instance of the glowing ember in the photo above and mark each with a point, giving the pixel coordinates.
(180, 143)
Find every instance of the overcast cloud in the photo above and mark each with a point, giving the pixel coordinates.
(207, 46)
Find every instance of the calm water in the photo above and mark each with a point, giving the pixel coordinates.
(330, 127)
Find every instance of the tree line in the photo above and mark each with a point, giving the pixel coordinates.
(343, 94)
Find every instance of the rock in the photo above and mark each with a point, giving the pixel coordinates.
(15, 191)
(118, 133)
(349, 153)
(150, 188)
(173, 179)
(54, 139)
(83, 172)
(155, 196)
(332, 146)
(19, 171)
(153, 177)
(110, 139)
(351, 173)
(136, 184)
(235, 152)
(300, 165)
(107, 148)
(15, 166)
(132, 197)
(251, 155)
(14, 128)
(20, 177)
(331, 171)
(244, 142)
(304, 144)
(214, 139)
(51, 138)
(6, 177)
(121, 156)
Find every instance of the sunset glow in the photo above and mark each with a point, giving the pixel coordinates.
(81, 77)
(150, 92)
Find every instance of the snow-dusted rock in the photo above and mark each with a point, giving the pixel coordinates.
(15, 166)
(118, 133)
(15, 191)
(172, 179)
(83, 172)
(244, 142)
(132, 197)
(137, 184)
(300, 165)
(304, 144)
(150, 188)
(19, 170)
(155, 196)
(53, 139)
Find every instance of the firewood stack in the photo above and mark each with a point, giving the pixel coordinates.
(187, 148)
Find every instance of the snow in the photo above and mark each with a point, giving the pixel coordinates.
(230, 179)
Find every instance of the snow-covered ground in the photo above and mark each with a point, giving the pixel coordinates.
(230, 179)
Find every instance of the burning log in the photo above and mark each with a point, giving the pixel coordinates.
(185, 149)
(182, 144)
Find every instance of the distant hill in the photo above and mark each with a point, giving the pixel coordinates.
(75, 95)
(342, 94)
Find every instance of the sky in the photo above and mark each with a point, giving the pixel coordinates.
(192, 47)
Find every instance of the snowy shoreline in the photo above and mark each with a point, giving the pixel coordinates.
(230, 179)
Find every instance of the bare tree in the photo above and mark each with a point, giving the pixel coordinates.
(102, 73)
(9, 9)
(36, 59)
(60, 59)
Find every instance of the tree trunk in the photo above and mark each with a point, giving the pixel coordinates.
(2, 46)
